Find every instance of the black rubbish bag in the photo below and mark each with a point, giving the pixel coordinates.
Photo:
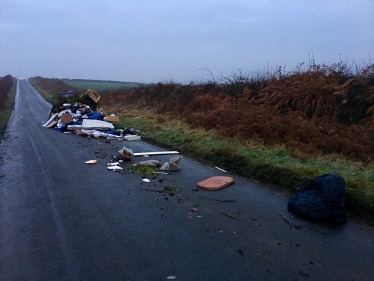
(323, 200)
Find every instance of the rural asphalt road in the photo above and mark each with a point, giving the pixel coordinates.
(61, 219)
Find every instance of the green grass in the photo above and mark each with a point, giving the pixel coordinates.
(99, 85)
(282, 168)
(6, 111)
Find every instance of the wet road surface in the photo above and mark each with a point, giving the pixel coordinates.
(61, 219)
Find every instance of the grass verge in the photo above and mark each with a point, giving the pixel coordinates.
(6, 110)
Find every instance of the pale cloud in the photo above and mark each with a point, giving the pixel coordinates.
(150, 41)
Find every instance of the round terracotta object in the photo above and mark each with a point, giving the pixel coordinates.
(215, 183)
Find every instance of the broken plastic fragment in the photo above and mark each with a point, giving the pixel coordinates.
(114, 168)
(146, 180)
(91, 162)
(112, 164)
(222, 170)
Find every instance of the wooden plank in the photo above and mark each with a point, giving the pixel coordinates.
(50, 119)
(52, 124)
(93, 95)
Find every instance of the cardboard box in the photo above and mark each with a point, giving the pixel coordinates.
(66, 118)
(112, 118)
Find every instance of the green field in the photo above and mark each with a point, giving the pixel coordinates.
(99, 85)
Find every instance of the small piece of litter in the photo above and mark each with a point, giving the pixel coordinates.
(171, 277)
(91, 162)
(114, 168)
(112, 164)
(161, 173)
(194, 209)
(146, 180)
(222, 170)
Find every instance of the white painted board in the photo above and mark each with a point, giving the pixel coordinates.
(156, 153)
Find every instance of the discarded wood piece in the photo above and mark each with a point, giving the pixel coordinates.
(93, 95)
(219, 200)
(152, 190)
(156, 153)
(227, 215)
(112, 118)
(290, 223)
(53, 116)
(52, 124)
(215, 183)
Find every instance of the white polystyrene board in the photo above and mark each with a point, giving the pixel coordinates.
(132, 137)
(91, 124)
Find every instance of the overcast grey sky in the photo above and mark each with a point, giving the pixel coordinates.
(163, 40)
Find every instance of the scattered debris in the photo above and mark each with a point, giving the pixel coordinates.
(194, 209)
(215, 183)
(290, 223)
(91, 162)
(218, 200)
(80, 117)
(173, 165)
(114, 168)
(152, 190)
(50, 120)
(305, 274)
(111, 118)
(161, 173)
(261, 253)
(146, 180)
(124, 154)
(222, 170)
(171, 277)
(113, 164)
(227, 215)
